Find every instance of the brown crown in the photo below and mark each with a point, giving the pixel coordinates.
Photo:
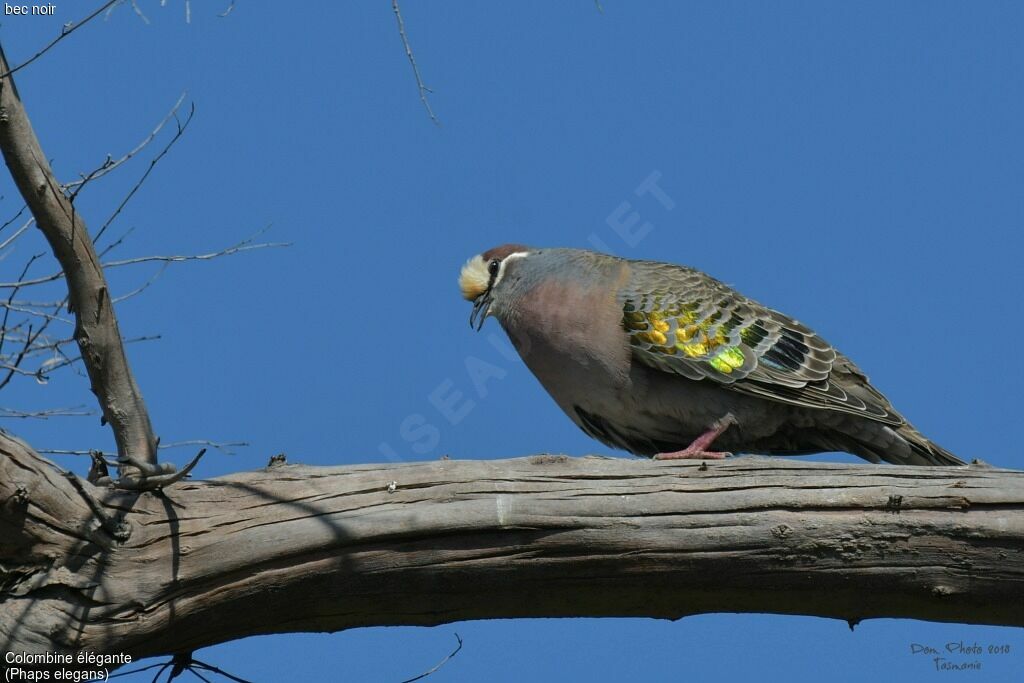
(504, 250)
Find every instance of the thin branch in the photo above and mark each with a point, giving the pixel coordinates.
(196, 664)
(74, 451)
(17, 233)
(152, 164)
(14, 367)
(244, 245)
(422, 89)
(229, 10)
(37, 304)
(439, 664)
(30, 283)
(110, 164)
(116, 243)
(237, 248)
(138, 12)
(144, 286)
(71, 360)
(13, 218)
(7, 311)
(66, 31)
(224, 447)
(34, 312)
(76, 411)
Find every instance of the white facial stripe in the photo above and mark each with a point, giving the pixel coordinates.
(504, 263)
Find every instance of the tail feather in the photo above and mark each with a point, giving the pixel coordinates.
(901, 445)
(929, 452)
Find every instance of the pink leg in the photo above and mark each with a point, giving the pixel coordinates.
(696, 450)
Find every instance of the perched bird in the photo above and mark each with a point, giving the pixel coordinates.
(666, 361)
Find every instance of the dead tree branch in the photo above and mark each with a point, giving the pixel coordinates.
(325, 549)
(437, 667)
(110, 164)
(182, 127)
(76, 411)
(247, 244)
(6, 71)
(96, 329)
(420, 88)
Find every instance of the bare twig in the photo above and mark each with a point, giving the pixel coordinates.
(237, 248)
(7, 311)
(422, 89)
(17, 233)
(14, 367)
(27, 310)
(76, 411)
(244, 245)
(66, 31)
(180, 663)
(144, 286)
(116, 243)
(152, 164)
(138, 12)
(224, 446)
(18, 284)
(196, 664)
(439, 664)
(71, 360)
(128, 672)
(13, 218)
(110, 164)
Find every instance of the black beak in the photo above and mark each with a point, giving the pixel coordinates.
(481, 305)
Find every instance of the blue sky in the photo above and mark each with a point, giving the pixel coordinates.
(858, 166)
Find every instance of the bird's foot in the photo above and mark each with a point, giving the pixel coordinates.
(698, 449)
(690, 453)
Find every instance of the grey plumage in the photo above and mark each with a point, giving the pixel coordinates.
(650, 357)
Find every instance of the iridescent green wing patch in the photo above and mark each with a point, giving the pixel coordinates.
(684, 322)
(689, 337)
(693, 325)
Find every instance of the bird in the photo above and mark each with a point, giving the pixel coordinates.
(665, 361)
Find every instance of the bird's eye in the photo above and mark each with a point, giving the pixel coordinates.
(492, 267)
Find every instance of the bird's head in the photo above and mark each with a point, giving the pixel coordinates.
(481, 278)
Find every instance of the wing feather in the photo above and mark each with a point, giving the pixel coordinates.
(684, 322)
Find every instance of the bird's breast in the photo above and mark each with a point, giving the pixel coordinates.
(571, 337)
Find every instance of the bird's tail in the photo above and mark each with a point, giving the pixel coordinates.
(926, 450)
(906, 447)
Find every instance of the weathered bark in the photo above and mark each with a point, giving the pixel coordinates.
(96, 329)
(323, 549)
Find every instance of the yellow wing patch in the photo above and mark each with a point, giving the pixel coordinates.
(675, 330)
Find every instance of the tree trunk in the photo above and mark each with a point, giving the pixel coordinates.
(324, 549)
(96, 329)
